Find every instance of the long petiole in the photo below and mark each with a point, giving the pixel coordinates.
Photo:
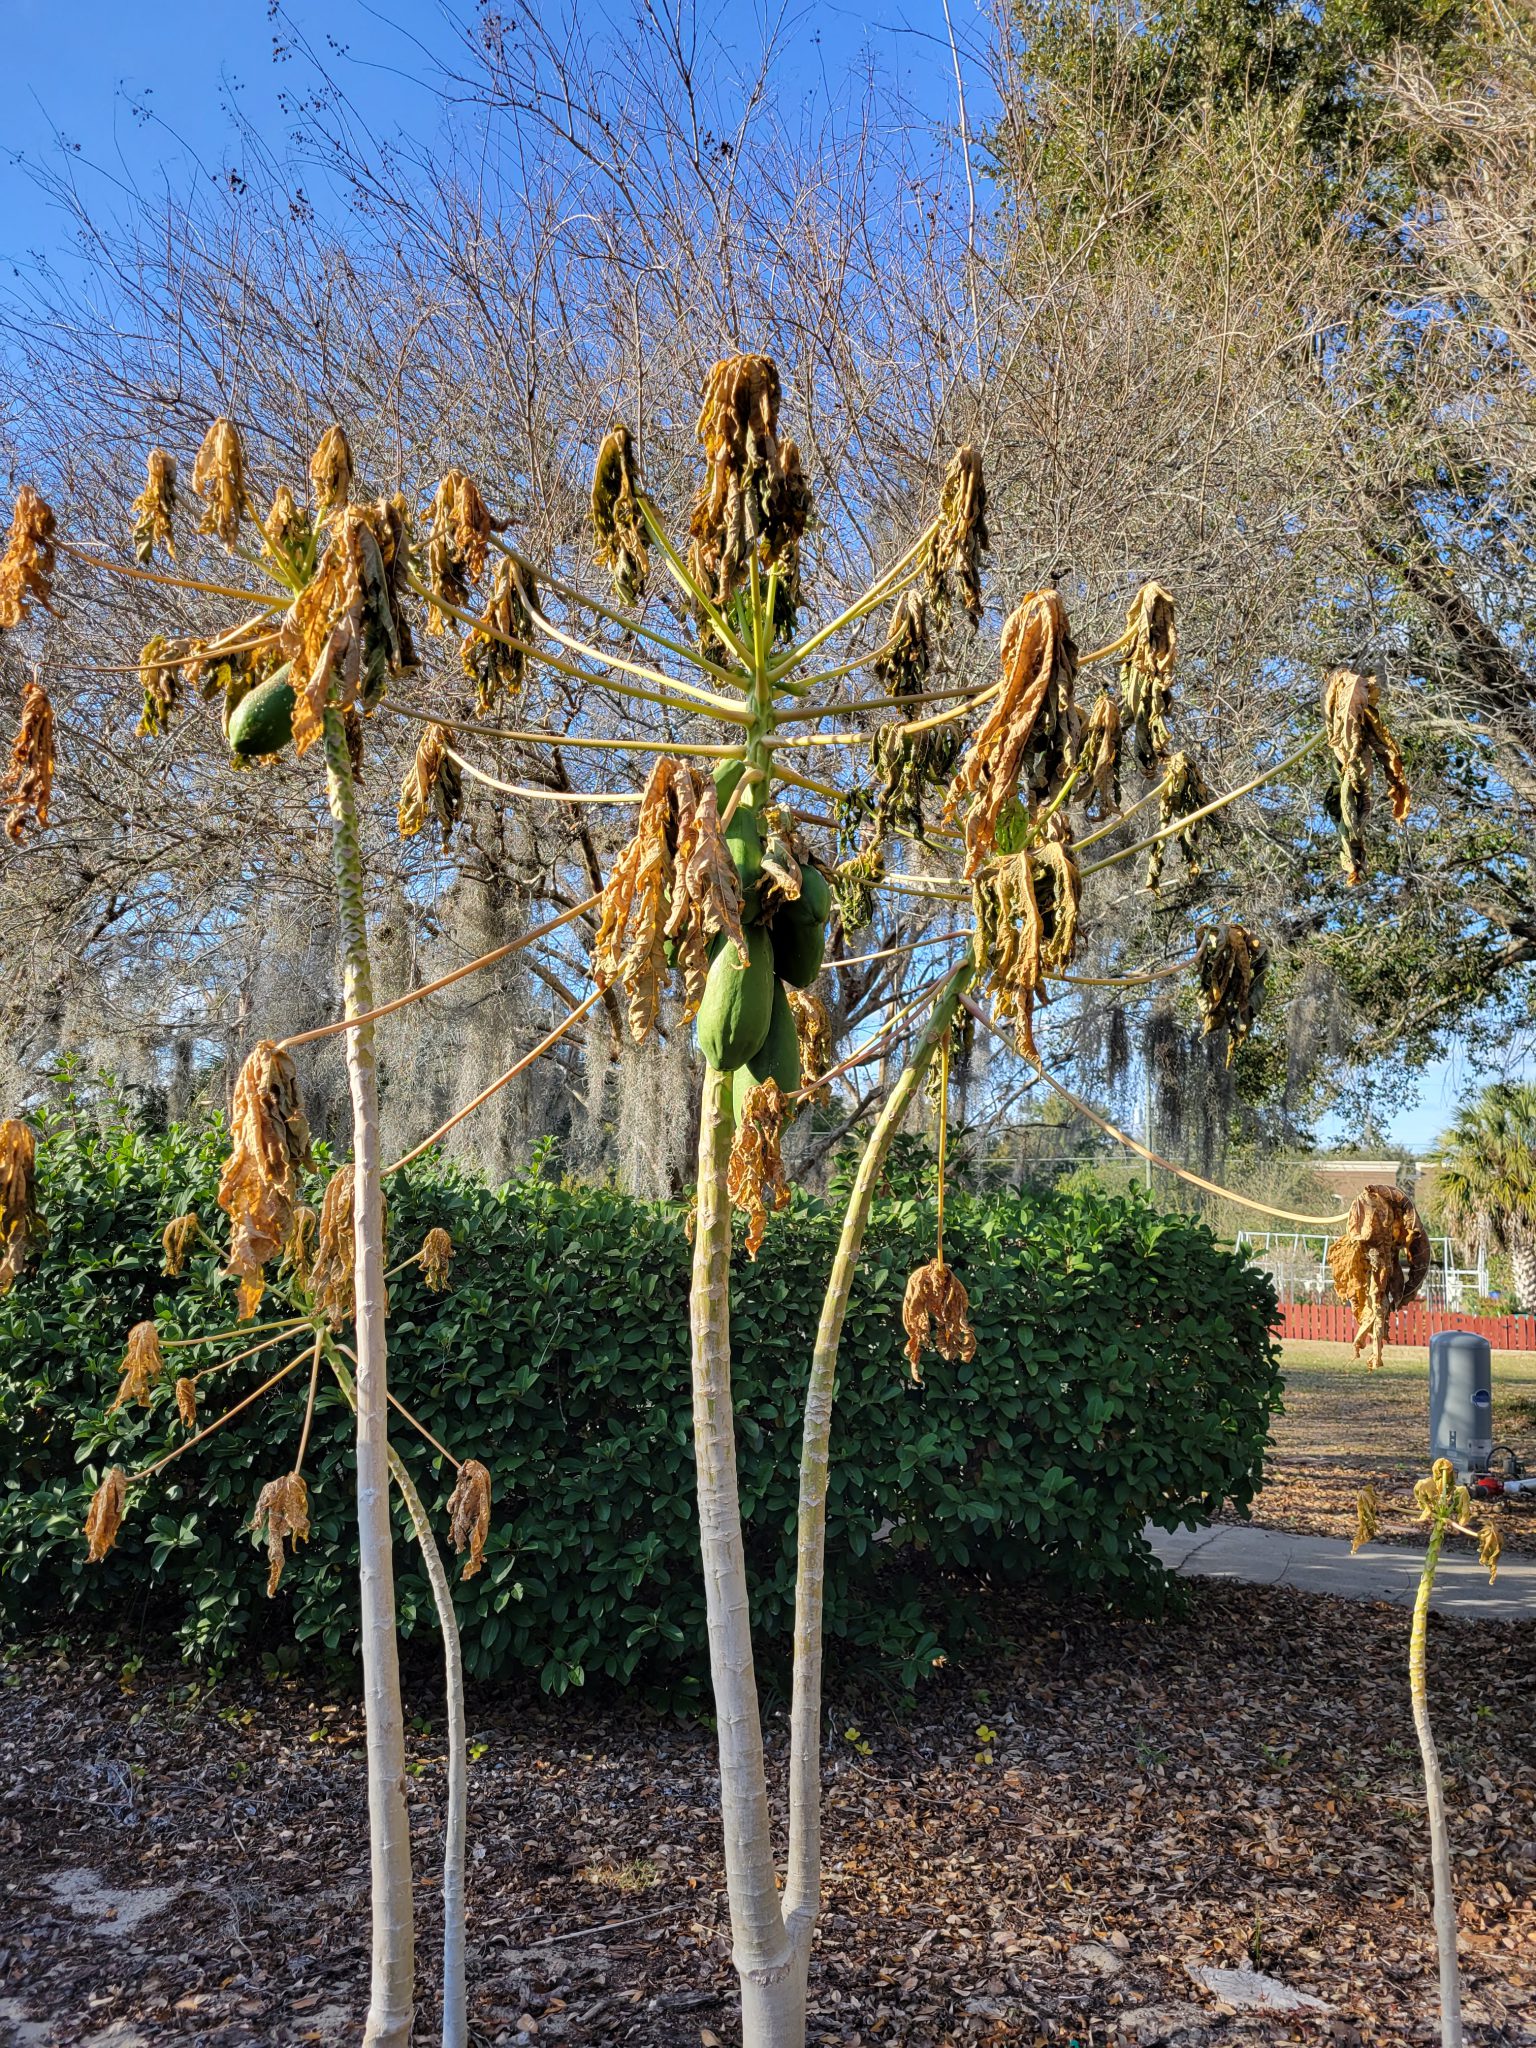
(241, 1330)
(874, 594)
(554, 796)
(309, 1405)
(415, 995)
(399, 1406)
(634, 668)
(628, 624)
(683, 577)
(700, 749)
(1206, 810)
(809, 711)
(228, 1416)
(240, 1357)
(683, 705)
(501, 1081)
(174, 582)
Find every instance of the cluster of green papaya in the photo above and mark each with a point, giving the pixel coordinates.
(745, 1024)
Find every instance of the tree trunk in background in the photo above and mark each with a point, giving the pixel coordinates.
(1522, 1257)
(391, 1999)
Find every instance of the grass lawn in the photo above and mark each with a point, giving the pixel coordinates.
(1345, 1427)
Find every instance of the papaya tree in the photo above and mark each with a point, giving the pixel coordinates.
(723, 892)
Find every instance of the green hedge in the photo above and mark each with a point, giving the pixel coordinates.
(1124, 1370)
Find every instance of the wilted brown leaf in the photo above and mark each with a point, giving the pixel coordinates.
(1009, 941)
(754, 492)
(1230, 967)
(935, 1312)
(332, 1277)
(631, 931)
(813, 1029)
(344, 632)
(154, 510)
(20, 1225)
(176, 1241)
(469, 1514)
(436, 1256)
(1146, 675)
(26, 567)
(330, 470)
(617, 524)
(143, 1363)
(270, 1144)
(186, 1401)
(1379, 1262)
(705, 889)
(755, 1174)
(282, 1510)
(218, 475)
(961, 539)
(1030, 726)
(1357, 733)
(495, 668)
(1100, 754)
(456, 549)
(105, 1515)
(433, 787)
(28, 784)
(1184, 792)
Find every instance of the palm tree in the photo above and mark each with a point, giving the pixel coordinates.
(1486, 1186)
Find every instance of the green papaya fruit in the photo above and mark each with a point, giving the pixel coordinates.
(777, 1057)
(815, 893)
(799, 944)
(744, 843)
(727, 775)
(737, 1008)
(262, 722)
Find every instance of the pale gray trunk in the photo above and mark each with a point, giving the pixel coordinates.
(392, 1989)
(1434, 1800)
(772, 1998)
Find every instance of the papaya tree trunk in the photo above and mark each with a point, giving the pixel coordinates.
(761, 1950)
(802, 1889)
(456, 1821)
(392, 1987)
(1434, 1799)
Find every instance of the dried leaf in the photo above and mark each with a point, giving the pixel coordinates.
(1009, 943)
(1146, 675)
(1230, 966)
(270, 1144)
(142, 1365)
(495, 668)
(905, 662)
(330, 470)
(456, 550)
(218, 475)
(631, 932)
(333, 1275)
(299, 1244)
(21, 1228)
(1184, 791)
(1358, 734)
(813, 1029)
(1379, 1262)
(154, 510)
(854, 882)
(186, 1401)
(28, 784)
(961, 538)
(754, 494)
(282, 1510)
(159, 682)
(935, 1312)
(344, 632)
(1367, 1519)
(1490, 1547)
(433, 787)
(1100, 755)
(105, 1516)
(177, 1240)
(436, 1256)
(1031, 726)
(1058, 892)
(755, 1173)
(290, 534)
(705, 889)
(617, 524)
(469, 1514)
(26, 567)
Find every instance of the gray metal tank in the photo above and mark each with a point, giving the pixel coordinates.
(1460, 1399)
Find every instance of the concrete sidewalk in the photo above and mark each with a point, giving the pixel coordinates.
(1323, 1564)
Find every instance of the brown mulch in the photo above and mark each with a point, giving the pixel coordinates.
(1234, 1785)
(1345, 1428)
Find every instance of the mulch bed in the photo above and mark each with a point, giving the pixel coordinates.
(1235, 1785)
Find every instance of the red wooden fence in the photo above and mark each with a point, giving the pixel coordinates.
(1327, 1322)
